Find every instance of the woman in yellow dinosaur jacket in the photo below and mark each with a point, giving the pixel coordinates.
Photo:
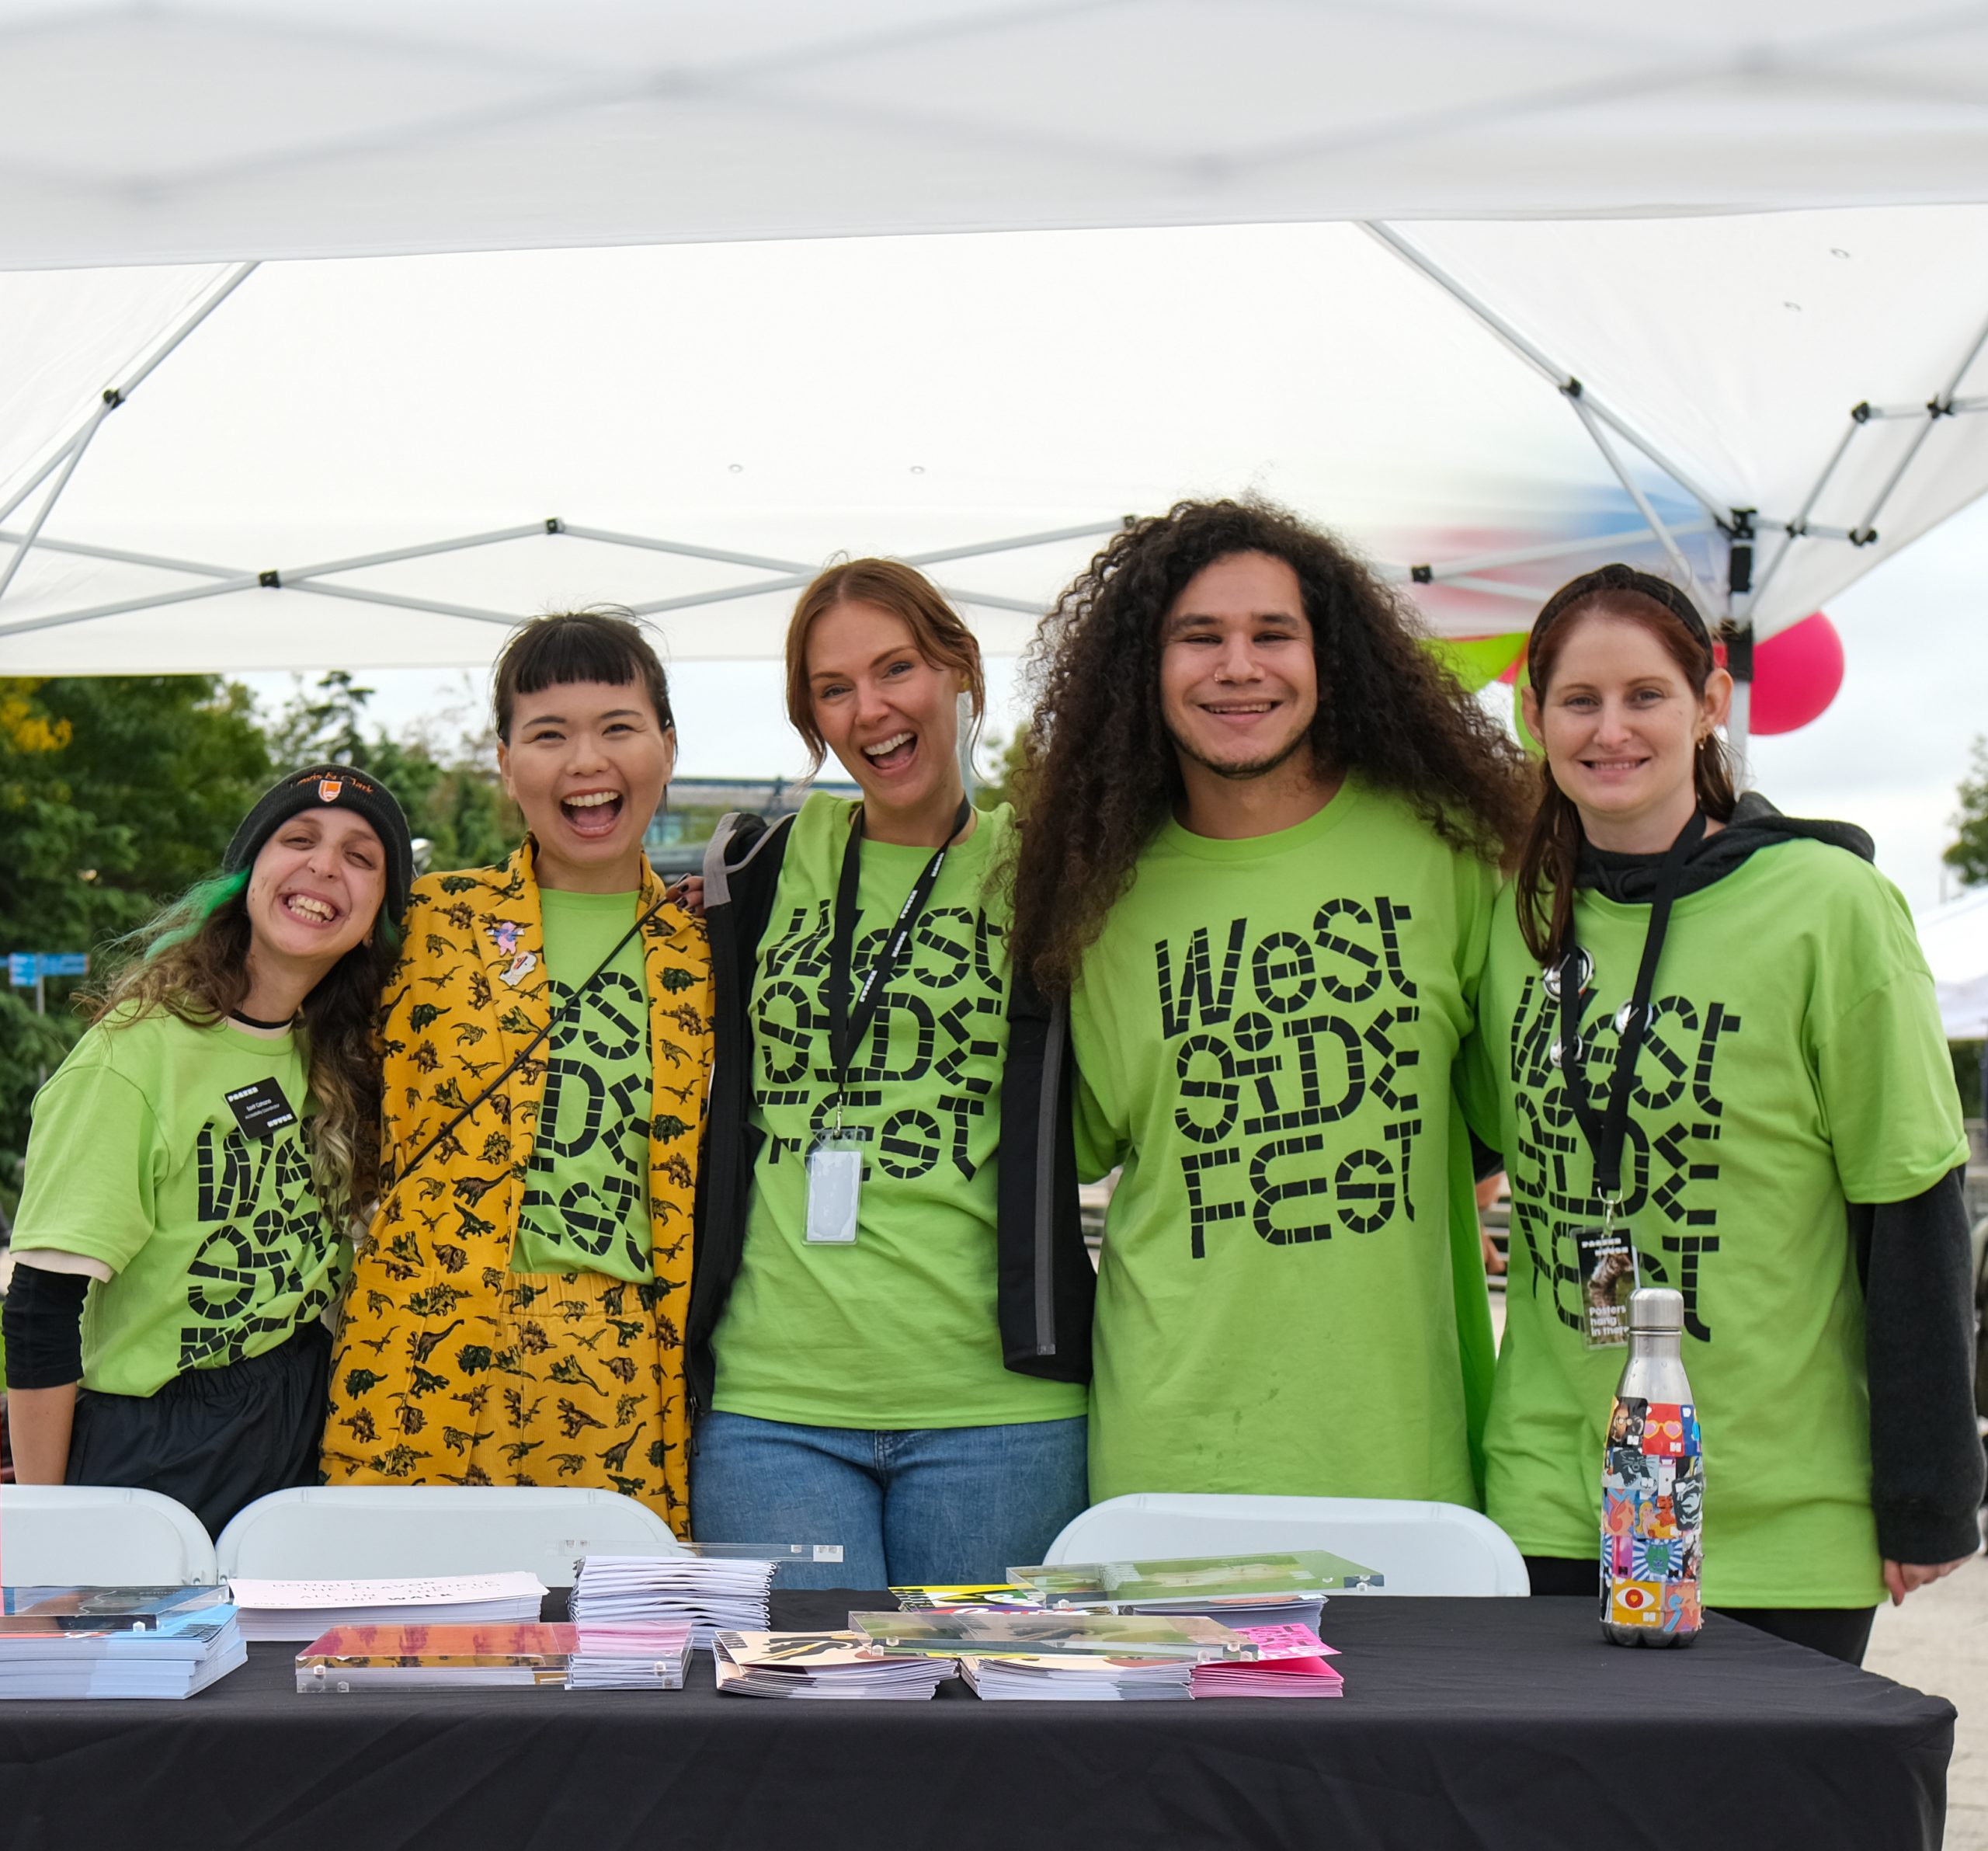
(516, 1315)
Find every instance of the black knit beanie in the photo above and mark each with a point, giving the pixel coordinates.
(347, 790)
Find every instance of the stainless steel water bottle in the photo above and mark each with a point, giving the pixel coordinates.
(1652, 1486)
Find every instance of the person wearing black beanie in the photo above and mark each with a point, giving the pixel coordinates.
(196, 1164)
(345, 788)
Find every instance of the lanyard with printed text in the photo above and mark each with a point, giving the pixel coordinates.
(1607, 1130)
(848, 1025)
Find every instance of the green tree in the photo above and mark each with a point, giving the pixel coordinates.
(1005, 786)
(116, 792)
(1967, 855)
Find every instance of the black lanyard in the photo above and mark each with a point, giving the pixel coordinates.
(847, 1026)
(532, 1046)
(1606, 1131)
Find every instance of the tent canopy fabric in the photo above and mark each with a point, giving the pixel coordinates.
(1709, 292)
(168, 132)
(780, 402)
(1955, 938)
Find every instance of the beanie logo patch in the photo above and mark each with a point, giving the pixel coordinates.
(328, 789)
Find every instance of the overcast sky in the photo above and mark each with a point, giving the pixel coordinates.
(1888, 754)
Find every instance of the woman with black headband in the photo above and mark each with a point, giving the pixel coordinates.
(196, 1162)
(1708, 1048)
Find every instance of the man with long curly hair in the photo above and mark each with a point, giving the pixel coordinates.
(1262, 843)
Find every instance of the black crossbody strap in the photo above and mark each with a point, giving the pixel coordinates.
(537, 1042)
(848, 1024)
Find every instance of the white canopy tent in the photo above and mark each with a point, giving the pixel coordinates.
(1737, 228)
(1954, 937)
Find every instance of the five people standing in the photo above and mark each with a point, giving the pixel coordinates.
(793, 1188)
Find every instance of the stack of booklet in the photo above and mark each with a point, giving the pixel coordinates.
(1290, 1661)
(1070, 1677)
(966, 1632)
(709, 1595)
(649, 1657)
(1283, 1588)
(303, 1609)
(116, 1642)
(822, 1664)
(351, 1658)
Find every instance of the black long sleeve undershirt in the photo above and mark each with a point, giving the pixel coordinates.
(42, 1321)
(1926, 1456)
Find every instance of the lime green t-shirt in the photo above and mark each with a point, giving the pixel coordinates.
(1794, 1061)
(898, 1329)
(1264, 1031)
(586, 1203)
(217, 1245)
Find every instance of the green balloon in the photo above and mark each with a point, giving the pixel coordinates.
(1478, 661)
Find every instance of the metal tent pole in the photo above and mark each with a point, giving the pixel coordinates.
(1941, 406)
(113, 396)
(75, 456)
(1542, 362)
(227, 579)
(48, 468)
(1573, 396)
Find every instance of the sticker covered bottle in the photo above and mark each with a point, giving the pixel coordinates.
(1652, 1486)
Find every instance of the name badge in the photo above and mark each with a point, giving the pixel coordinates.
(1609, 1274)
(835, 1186)
(261, 1110)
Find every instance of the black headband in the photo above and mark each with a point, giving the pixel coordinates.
(1616, 580)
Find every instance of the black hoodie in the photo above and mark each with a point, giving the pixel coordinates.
(1914, 1257)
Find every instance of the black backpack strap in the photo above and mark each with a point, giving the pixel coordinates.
(1047, 1285)
(741, 873)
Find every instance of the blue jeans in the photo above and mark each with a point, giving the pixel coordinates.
(928, 1504)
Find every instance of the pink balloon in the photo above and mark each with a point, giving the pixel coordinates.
(1796, 674)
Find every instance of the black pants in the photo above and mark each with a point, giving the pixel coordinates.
(1835, 1632)
(214, 1439)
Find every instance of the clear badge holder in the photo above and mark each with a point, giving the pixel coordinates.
(835, 1186)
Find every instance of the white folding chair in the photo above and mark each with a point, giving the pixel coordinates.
(1419, 1548)
(100, 1536)
(362, 1532)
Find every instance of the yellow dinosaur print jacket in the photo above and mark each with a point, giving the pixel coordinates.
(450, 1369)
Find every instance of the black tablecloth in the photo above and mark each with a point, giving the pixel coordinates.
(1465, 1723)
